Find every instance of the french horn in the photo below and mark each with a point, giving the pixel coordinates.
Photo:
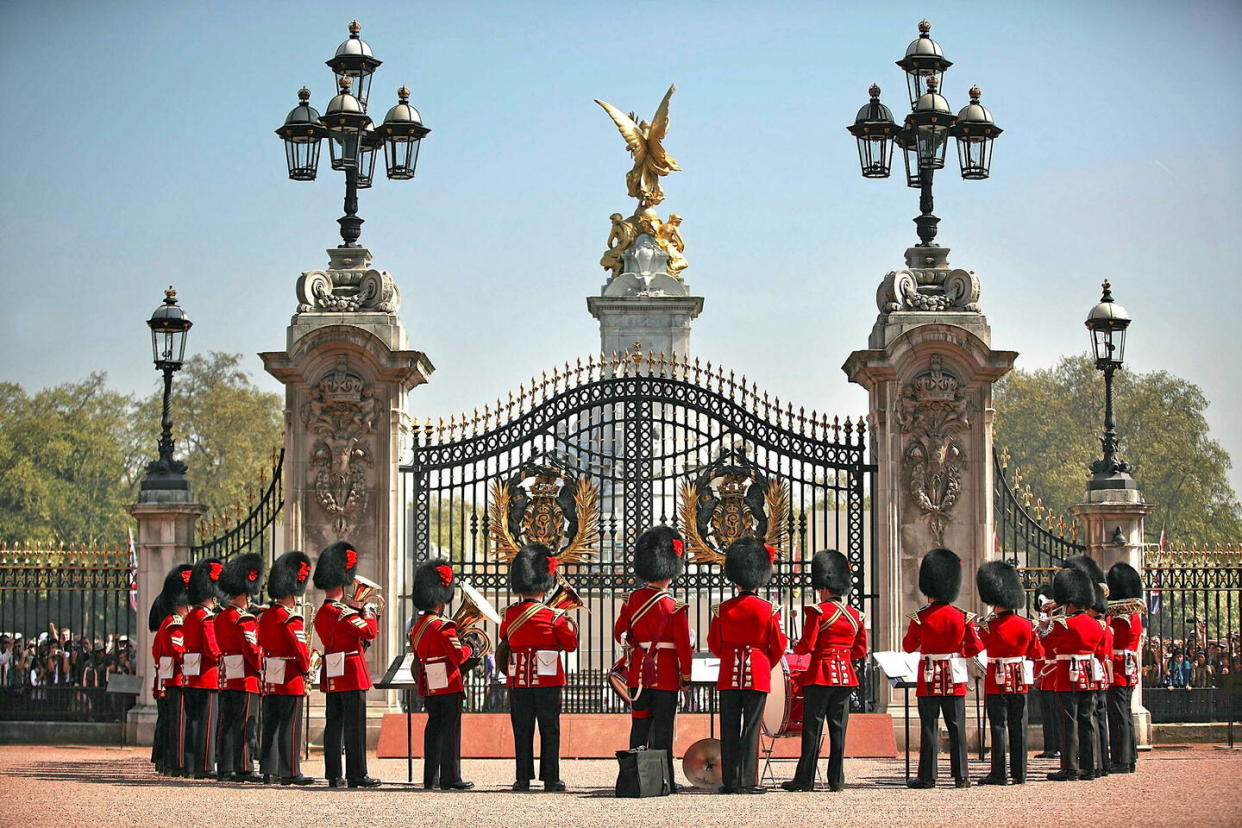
(473, 610)
(366, 591)
(565, 597)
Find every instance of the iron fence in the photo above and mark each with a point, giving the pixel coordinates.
(253, 530)
(1028, 534)
(58, 703)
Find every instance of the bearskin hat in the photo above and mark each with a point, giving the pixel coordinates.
(1124, 582)
(205, 580)
(748, 562)
(289, 575)
(433, 584)
(831, 571)
(1072, 585)
(1088, 565)
(1000, 586)
(159, 611)
(242, 573)
(336, 566)
(658, 553)
(176, 591)
(940, 575)
(533, 570)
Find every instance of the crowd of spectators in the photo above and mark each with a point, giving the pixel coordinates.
(59, 658)
(1190, 663)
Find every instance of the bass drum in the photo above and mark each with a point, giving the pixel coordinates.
(782, 712)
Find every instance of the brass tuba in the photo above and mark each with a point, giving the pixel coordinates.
(474, 608)
(312, 672)
(565, 597)
(366, 591)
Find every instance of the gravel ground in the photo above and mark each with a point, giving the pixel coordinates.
(66, 786)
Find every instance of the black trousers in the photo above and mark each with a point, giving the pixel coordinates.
(740, 714)
(1077, 709)
(442, 739)
(1007, 724)
(1101, 731)
(821, 702)
(528, 705)
(174, 730)
(953, 708)
(281, 747)
(652, 720)
(198, 749)
(239, 712)
(1122, 749)
(1052, 720)
(345, 724)
(159, 739)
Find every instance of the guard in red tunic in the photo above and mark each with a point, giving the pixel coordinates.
(155, 620)
(746, 635)
(165, 744)
(286, 660)
(834, 636)
(345, 628)
(433, 639)
(200, 667)
(536, 635)
(1071, 643)
(1125, 591)
(237, 633)
(945, 637)
(1047, 699)
(1013, 647)
(1104, 656)
(655, 630)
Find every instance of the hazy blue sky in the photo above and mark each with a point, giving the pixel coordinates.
(139, 152)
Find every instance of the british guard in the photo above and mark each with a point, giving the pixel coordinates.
(1070, 644)
(1051, 718)
(237, 633)
(345, 627)
(155, 621)
(200, 668)
(1103, 665)
(1013, 648)
(1125, 592)
(746, 635)
(167, 613)
(655, 629)
(286, 660)
(536, 635)
(434, 641)
(834, 636)
(944, 636)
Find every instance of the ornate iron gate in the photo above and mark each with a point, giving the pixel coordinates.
(590, 456)
(1029, 535)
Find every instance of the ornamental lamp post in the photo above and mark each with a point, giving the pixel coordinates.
(1107, 323)
(169, 326)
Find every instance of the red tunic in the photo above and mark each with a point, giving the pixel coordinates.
(1127, 631)
(237, 633)
(282, 635)
(1071, 643)
(746, 635)
(834, 635)
(433, 638)
(941, 633)
(663, 629)
(535, 646)
(200, 637)
(342, 629)
(1105, 654)
(1009, 639)
(168, 642)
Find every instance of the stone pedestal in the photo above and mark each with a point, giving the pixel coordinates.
(346, 369)
(929, 376)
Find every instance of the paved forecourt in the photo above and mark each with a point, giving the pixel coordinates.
(67, 786)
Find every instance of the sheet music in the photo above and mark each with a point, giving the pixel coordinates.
(898, 666)
(704, 669)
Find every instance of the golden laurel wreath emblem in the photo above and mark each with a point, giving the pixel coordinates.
(545, 503)
(732, 499)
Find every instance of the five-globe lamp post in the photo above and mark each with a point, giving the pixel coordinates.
(924, 136)
(1107, 323)
(169, 326)
(354, 140)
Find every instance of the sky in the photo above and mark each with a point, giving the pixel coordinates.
(140, 153)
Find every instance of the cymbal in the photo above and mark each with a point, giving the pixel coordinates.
(701, 764)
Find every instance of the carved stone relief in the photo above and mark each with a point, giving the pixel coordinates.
(348, 285)
(341, 414)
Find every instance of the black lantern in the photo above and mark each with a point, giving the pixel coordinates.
(926, 134)
(367, 150)
(347, 124)
(169, 326)
(302, 131)
(975, 130)
(874, 130)
(353, 60)
(402, 132)
(1108, 322)
(924, 64)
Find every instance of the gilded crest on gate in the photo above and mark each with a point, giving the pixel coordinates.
(547, 502)
(729, 499)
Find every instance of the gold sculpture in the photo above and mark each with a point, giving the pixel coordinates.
(622, 235)
(669, 237)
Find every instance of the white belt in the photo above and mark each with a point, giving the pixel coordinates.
(658, 645)
(1074, 656)
(345, 652)
(1125, 652)
(939, 656)
(1009, 660)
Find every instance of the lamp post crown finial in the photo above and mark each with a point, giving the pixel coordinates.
(303, 94)
(354, 28)
(924, 27)
(403, 93)
(170, 296)
(932, 83)
(1108, 292)
(346, 82)
(974, 93)
(874, 91)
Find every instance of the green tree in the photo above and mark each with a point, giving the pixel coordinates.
(1051, 419)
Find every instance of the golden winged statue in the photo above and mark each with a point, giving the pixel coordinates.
(645, 141)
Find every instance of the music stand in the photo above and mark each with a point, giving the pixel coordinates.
(901, 670)
(400, 676)
(126, 685)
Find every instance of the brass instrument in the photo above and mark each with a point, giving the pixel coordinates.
(474, 608)
(1125, 606)
(701, 764)
(565, 597)
(366, 591)
(312, 672)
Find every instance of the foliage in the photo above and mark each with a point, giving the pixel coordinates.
(1051, 419)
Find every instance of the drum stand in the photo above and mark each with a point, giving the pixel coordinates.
(767, 745)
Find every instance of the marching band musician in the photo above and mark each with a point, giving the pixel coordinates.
(440, 653)
(536, 636)
(237, 634)
(834, 635)
(1124, 584)
(746, 635)
(1103, 664)
(1043, 680)
(656, 631)
(1071, 642)
(944, 636)
(344, 627)
(200, 668)
(286, 659)
(1012, 645)
(167, 646)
